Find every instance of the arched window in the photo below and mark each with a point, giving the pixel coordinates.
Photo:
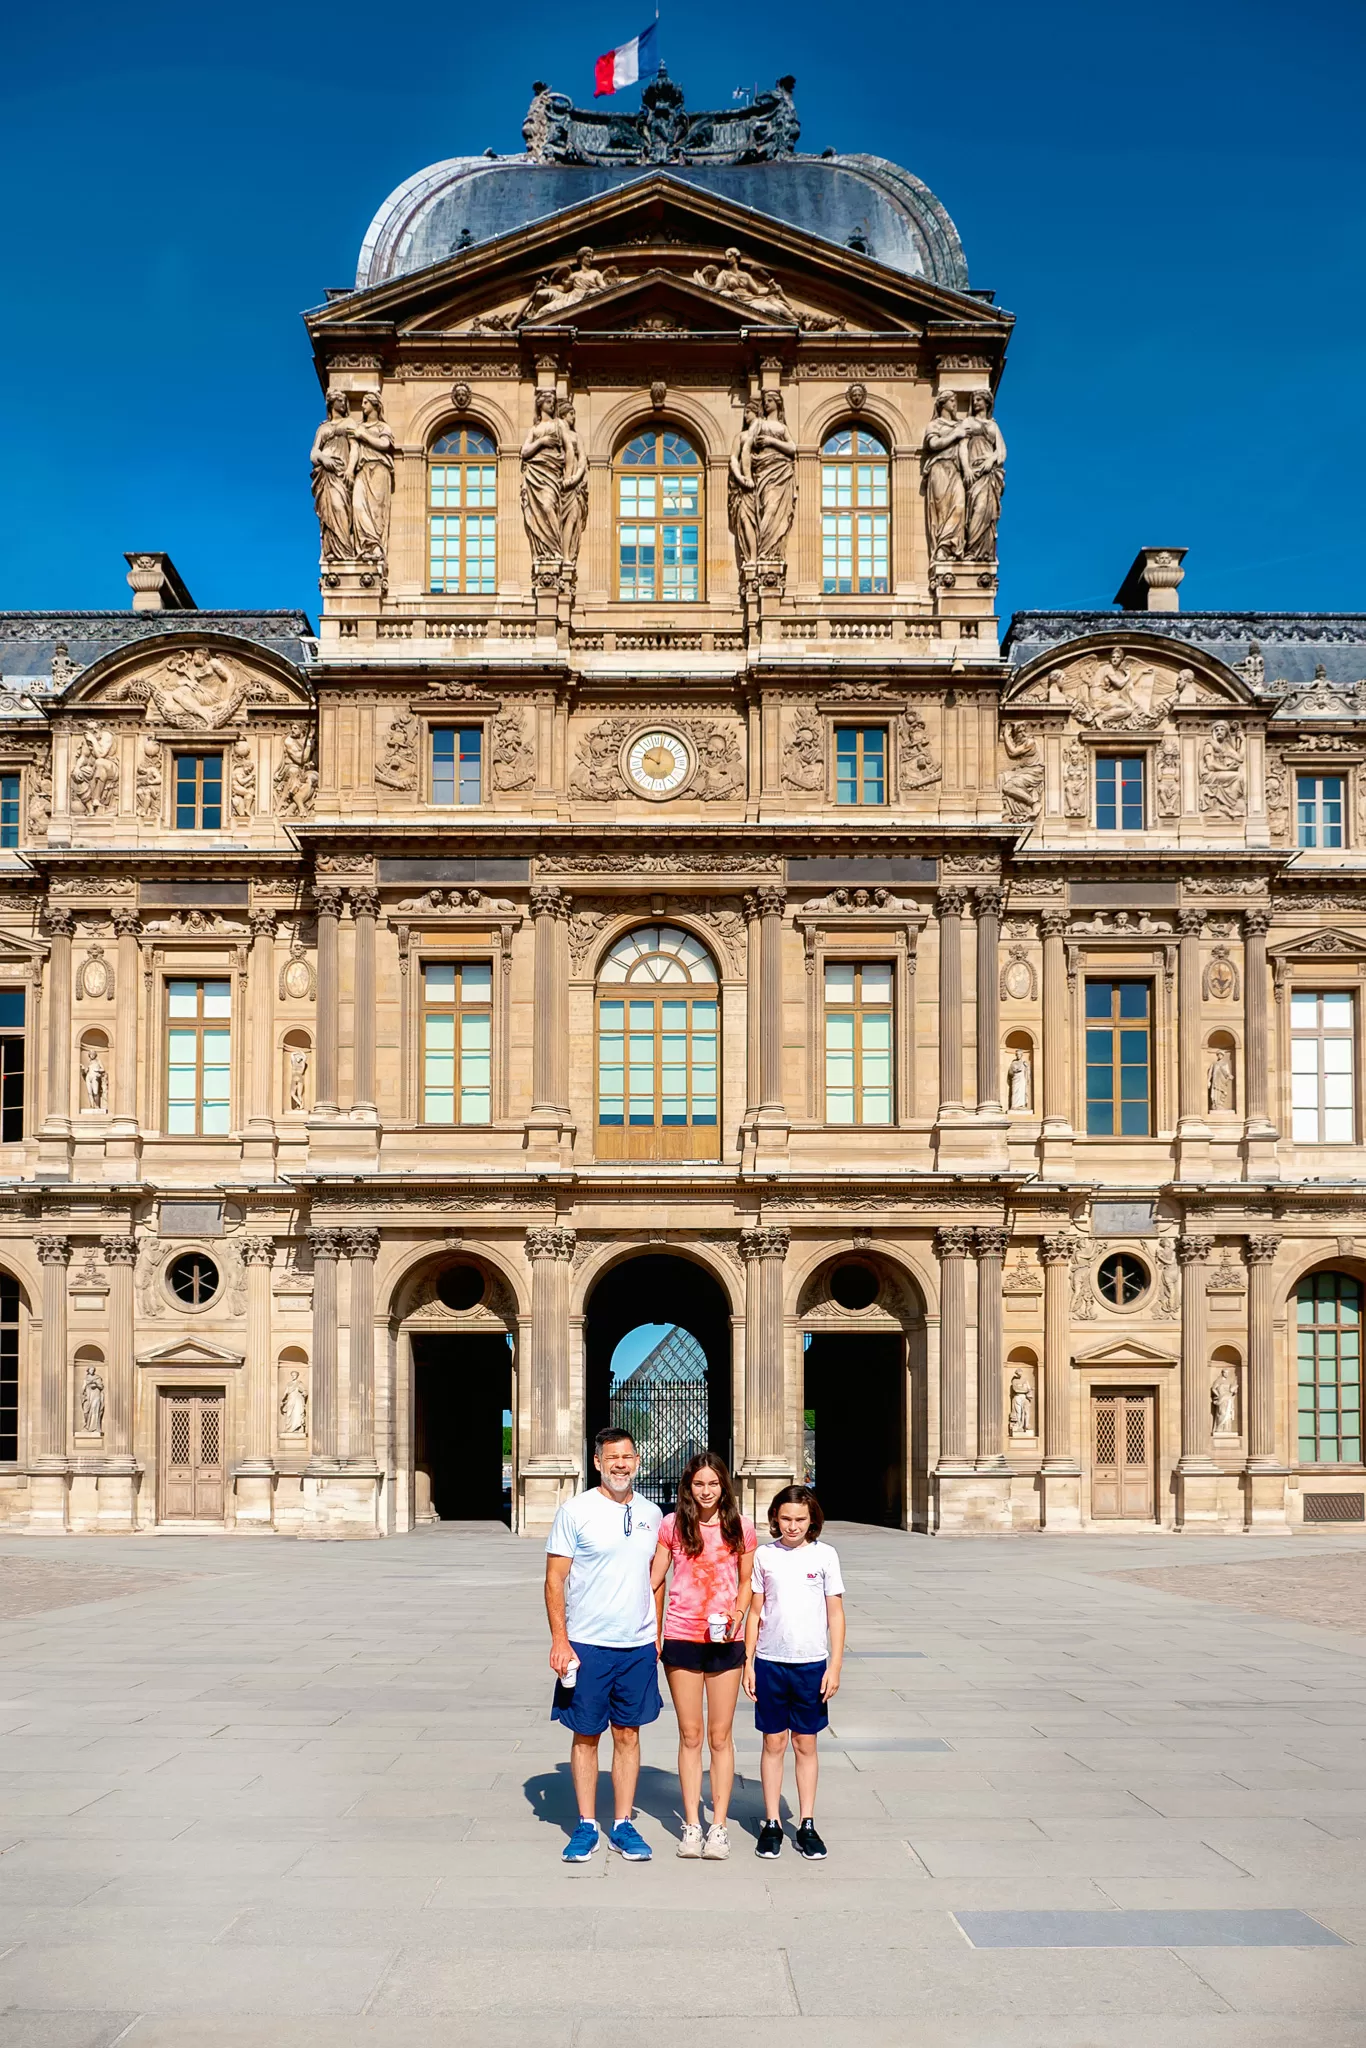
(658, 483)
(657, 1047)
(1328, 1332)
(854, 514)
(462, 498)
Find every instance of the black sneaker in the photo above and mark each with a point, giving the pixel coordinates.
(809, 1842)
(770, 1840)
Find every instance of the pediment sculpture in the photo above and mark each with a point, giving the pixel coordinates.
(754, 293)
(197, 689)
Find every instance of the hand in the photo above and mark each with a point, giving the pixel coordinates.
(748, 1680)
(561, 1655)
(830, 1684)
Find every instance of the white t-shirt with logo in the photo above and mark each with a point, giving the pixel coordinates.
(607, 1599)
(793, 1585)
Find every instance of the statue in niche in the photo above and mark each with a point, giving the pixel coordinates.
(397, 765)
(1019, 1076)
(94, 773)
(243, 781)
(294, 1407)
(1220, 1087)
(95, 1080)
(1223, 1400)
(574, 495)
(513, 758)
(1022, 786)
(1221, 771)
(1169, 778)
(92, 1401)
(296, 777)
(1021, 1403)
(331, 460)
(1168, 1277)
(545, 462)
(372, 480)
(941, 466)
(1083, 1298)
(298, 1077)
(741, 515)
(773, 466)
(984, 469)
(147, 796)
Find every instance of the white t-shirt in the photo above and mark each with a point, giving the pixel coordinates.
(793, 1585)
(607, 1599)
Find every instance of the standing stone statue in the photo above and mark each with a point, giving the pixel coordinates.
(574, 493)
(96, 1080)
(1221, 1079)
(773, 465)
(293, 1408)
(545, 463)
(92, 1402)
(298, 1078)
(1223, 1400)
(984, 471)
(941, 466)
(372, 480)
(332, 460)
(741, 516)
(1018, 1077)
(1021, 1403)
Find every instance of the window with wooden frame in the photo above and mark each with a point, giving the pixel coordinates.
(1319, 809)
(9, 1368)
(457, 764)
(855, 521)
(658, 1044)
(197, 780)
(860, 764)
(457, 1042)
(13, 1006)
(1119, 792)
(9, 808)
(1119, 1086)
(462, 513)
(199, 1058)
(1328, 1368)
(658, 490)
(1322, 1066)
(858, 1042)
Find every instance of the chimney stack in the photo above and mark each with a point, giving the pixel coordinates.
(156, 584)
(1152, 584)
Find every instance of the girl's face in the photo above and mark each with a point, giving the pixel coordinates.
(794, 1521)
(706, 1491)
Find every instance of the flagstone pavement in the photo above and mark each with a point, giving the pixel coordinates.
(287, 1794)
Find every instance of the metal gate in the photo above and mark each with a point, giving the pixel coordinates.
(664, 1404)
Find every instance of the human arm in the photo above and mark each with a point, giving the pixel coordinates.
(744, 1594)
(561, 1649)
(834, 1617)
(752, 1620)
(659, 1572)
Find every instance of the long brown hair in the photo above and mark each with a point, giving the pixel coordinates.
(688, 1522)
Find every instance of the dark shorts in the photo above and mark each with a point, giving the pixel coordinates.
(616, 1688)
(788, 1698)
(708, 1657)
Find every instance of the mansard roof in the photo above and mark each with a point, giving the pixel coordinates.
(1269, 649)
(42, 651)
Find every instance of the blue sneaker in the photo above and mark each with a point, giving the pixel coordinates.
(628, 1841)
(582, 1842)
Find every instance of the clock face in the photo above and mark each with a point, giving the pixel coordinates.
(658, 763)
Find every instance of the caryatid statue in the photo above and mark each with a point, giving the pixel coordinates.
(941, 466)
(332, 460)
(372, 480)
(545, 467)
(741, 516)
(773, 466)
(984, 470)
(574, 494)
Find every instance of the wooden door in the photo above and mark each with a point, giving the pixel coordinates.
(191, 1452)
(1123, 1470)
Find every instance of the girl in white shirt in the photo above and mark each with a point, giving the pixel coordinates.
(794, 1647)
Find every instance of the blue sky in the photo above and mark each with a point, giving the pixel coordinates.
(1170, 201)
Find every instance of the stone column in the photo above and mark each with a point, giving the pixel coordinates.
(365, 909)
(990, 1247)
(764, 1250)
(549, 1252)
(1193, 1254)
(260, 1080)
(990, 903)
(59, 925)
(952, 1245)
(120, 1255)
(326, 1249)
(128, 926)
(950, 906)
(1191, 1098)
(1056, 1035)
(545, 913)
(48, 1483)
(1055, 1253)
(1261, 1352)
(329, 904)
(772, 902)
(258, 1256)
(362, 1248)
(1256, 924)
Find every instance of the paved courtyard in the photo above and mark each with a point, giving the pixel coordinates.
(283, 1794)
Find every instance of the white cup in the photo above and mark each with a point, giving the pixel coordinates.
(717, 1624)
(571, 1676)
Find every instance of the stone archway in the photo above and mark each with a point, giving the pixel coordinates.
(456, 1321)
(863, 1391)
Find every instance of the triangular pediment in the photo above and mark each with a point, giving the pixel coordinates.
(1124, 1351)
(190, 1351)
(1328, 944)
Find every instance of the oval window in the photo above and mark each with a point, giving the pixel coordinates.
(854, 1286)
(460, 1287)
(194, 1278)
(1121, 1278)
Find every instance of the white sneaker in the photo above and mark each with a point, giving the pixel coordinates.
(690, 1841)
(716, 1848)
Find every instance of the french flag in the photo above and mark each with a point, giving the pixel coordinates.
(633, 61)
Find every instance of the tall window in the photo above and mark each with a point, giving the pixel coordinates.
(1318, 809)
(9, 1369)
(198, 792)
(657, 1047)
(854, 500)
(457, 1042)
(659, 519)
(11, 1065)
(858, 1043)
(1322, 1067)
(1119, 793)
(9, 810)
(462, 497)
(1119, 1059)
(1328, 1334)
(457, 764)
(860, 764)
(198, 1063)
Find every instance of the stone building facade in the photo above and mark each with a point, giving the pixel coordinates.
(658, 894)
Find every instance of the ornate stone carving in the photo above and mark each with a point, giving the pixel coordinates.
(556, 131)
(1057, 1249)
(1019, 1081)
(1223, 1401)
(256, 1251)
(1223, 784)
(330, 460)
(720, 768)
(396, 767)
(1083, 1293)
(295, 781)
(1021, 1419)
(372, 481)
(951, 901)
(456, 899)
(180, 922)
(916, 765)
(95, 1080)
(324, 1243)
(298, 981)
(762, 497)
(1022, 1277)
(243, 781)
(1262, 1250)
(52, 1249)
(95, 976)
(983, 452)
(545, 461)
(843, 900)
(92, 1401)
(1124, 923)
(1019, 981)
(1075, 780)
(597, 773)
(298, 1078)
(1219, 1081)
(1220, 983)
(360, 1242)
(93, 783)
(512, 757)
(196, 690)
(953, 1241)
(1021, 786)
(803, 763)
(554, 1242)
(1192, 1250)
(990, 1241)
(1228, 1276)
(294, 1406)
(40, 798)
(119, 1250)
(765, 1241)
(147, 796)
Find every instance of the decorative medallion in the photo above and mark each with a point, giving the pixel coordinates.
(658, 764)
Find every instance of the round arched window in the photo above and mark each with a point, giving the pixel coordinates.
(658, 486)
(193, 1278)
(460, 1287)
(1328, 1347)
(657, 1047)
(854, 1285)
(462, 496)
(855, 530)
(1121, 1278)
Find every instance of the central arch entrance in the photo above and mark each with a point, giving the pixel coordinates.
(657, 1361)
(457, 1316)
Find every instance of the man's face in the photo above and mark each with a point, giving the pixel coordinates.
(618, 1464)
(794, 1520)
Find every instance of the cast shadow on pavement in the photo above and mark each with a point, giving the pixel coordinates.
(550, 1795)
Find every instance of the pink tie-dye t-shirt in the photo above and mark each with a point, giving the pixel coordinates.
(701, 1585)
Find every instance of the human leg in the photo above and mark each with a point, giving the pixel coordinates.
(771, 1773)
(808, 1769)
(583, 1769)
(625, 1771)
(723, 1691)
(686, 1687)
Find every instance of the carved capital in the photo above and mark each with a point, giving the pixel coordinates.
(772, 901)
(952, 901)
(361, 1243)
(990, 1242)
(1057, 1250)
(990, 902)
(1190, 923)
(767, 1241)
(127, 923)
(364, 902)
(545, 900)
(261, 924)
(324, 1244)
(954, 1241)
(1262, 1250)
(58, 920)
(750, 906)
(120, 1251)
(256, 1251)
(1193, 1251)
(1053, 923)
(53, 1251)
(555, 1241)
(1257, 921)
(327, 902)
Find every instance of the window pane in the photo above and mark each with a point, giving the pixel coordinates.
(217, 999)
(1337, 1012)
(476, 981)
(439, 979)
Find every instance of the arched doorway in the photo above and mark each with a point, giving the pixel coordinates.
(657, 1361)
(458, 1322)
(863, 1390)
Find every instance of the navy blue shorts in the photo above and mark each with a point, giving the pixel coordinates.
(788, 1698)
(616, 1688)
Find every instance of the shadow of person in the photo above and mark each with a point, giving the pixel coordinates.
(550, 1795)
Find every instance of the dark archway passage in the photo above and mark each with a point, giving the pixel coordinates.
(463, 1412)
(661, 1401)
(855, 1401)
